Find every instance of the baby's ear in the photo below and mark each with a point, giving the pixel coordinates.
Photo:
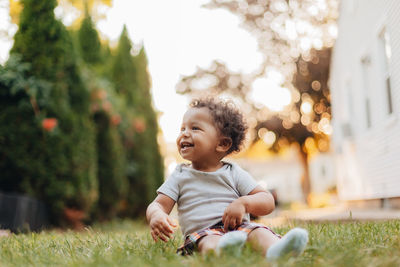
(224, 145)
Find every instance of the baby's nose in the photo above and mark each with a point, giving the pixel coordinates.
(185, 132)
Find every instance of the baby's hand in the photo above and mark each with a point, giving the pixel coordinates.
(161, 226)
(233, 214)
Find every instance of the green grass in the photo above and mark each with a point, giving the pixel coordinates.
(129, 244)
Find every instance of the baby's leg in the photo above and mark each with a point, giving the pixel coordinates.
(261, 239)
(208, 243)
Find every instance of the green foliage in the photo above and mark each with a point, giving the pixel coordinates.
(57, 165)
(39, 26)
(144, 163)
(123, 69)
(144, 106)
(105, 68)
(21, 87)
(77, 144)
(129, 244)
(83, 162)
(111, 176)
(89, 42)
(113, 184)
(33, 161)
(46, 44)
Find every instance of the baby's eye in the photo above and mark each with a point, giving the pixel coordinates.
(194, 128)
(182, 129)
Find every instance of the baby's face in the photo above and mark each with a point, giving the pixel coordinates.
(198, 138)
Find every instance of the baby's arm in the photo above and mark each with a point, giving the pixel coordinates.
(258, 202)
(157, 215)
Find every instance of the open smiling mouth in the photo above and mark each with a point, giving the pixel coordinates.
(185, 145)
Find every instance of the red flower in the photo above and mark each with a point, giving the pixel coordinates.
(101, 94)
(115, 119)
(49, 124)
(139, 125)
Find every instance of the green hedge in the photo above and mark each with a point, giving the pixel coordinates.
(62, 143)
(113, 185)
(35, 161)
(62, 167)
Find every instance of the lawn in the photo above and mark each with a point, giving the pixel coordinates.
(128, 243)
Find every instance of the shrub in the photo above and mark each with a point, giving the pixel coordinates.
(113, 184)
(58, 166)
(144, 163)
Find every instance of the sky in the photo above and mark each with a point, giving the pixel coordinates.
(178, 36)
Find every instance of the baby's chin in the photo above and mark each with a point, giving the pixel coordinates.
(187, 158)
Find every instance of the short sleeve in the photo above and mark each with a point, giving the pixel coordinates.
(170, 187)
(245, 183)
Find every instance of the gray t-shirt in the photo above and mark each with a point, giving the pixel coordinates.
(203, 196)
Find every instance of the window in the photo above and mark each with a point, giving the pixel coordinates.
(350, 114)
(365, 66)
(385, 54)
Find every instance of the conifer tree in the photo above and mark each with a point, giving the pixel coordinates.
(123, 70)
(145, 107)
(111, 168)
(61, 160)
(89, 41)
(111, 158)
(143, 159)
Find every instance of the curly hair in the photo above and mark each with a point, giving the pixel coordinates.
(227, 118)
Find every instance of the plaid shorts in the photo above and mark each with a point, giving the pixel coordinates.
(191, 241)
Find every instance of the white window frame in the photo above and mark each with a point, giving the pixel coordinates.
(347, 127)
(365, 64)
(384, 53)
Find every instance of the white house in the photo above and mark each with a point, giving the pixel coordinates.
(282, 174)
(322, 173)
(365, 91)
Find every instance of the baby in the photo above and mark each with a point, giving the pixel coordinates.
(215, 197)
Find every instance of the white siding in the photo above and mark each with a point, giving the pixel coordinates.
(283, 174)
(367, 161)
(322, 173)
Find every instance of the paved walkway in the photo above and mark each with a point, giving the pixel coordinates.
(331, 215)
